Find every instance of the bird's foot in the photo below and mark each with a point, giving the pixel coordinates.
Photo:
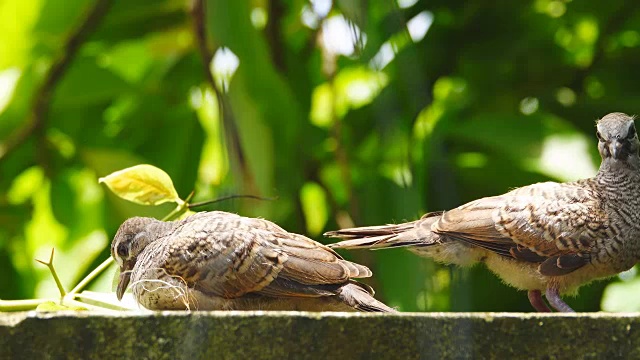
(556, 301)
(535, 297)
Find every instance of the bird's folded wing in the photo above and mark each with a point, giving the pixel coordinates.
(232, 263)
(226, 263)
(312, 263)
(549, 223)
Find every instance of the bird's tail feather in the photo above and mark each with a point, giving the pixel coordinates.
(360, 297)
(385, 236)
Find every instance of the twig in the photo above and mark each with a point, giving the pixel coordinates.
(35, 125)
(179, 209)
(226, 114)
(96, 299)
(312, 42)
(274, 34)
(20, 305)
(49, 264)
(198, 14)
(92, 275)
(229, 197)
(329, 69)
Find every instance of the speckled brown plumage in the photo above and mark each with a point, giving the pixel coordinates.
(223, 261)
(551, 237)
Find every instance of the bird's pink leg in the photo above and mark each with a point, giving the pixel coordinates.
(535, 298)
(556, 302)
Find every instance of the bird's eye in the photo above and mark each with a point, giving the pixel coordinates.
(632, 131)
(122, 250)
(599, 136)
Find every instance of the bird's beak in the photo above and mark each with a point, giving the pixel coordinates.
(616, 149)
(123, 282)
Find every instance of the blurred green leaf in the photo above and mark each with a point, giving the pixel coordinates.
(137, 19)
(489, 97)
(63, 200)
(25, 185)
(314, 205)
(87, 82)
(17, 36)
(622, 296)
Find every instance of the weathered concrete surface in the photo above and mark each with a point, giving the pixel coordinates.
(290, 335)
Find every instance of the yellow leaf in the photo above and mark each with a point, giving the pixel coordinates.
(142, 184)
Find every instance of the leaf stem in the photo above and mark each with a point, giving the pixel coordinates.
(92, 275)
(86, 299)
(20, 305)
(52, 268)
(179, 209)
(208, 202)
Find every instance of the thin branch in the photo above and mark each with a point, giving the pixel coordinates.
(208, 202)
(312, 41)
(198, 13)
(49, 264)
(35, 124)
(188, 199)
(92, 275)
(93, 301)
(21, 305)
(329, 70)
(273, 31)
(179, 210)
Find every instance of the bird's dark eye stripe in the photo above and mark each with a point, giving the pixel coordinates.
(632, 131)
(599, 135)
(122, 250)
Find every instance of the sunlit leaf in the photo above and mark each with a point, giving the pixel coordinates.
(142, 184)
(88, 83)
(53, 306)
(214, 163)
(352, 88)
(314, 206)
(17, 36)
(622, 296)
(322, 112)
(25, 185)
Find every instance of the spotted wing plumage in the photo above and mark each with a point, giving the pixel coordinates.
(229, 256)
(554, 224)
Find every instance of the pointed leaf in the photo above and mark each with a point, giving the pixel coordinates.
(142, 184)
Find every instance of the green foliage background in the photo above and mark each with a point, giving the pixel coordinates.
(495, 95)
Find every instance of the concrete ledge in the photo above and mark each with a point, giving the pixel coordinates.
(295, 335)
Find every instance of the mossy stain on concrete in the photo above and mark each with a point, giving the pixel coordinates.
(299, 335)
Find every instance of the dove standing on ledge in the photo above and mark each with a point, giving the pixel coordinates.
(551, 237)
(222, 261)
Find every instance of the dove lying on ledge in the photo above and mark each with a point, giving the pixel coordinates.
(222, 261)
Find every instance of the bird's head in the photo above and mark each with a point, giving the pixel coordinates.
(617, 139)
(130, 240)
